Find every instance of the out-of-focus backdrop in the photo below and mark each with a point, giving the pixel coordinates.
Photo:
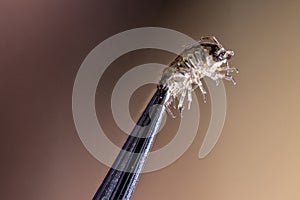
(43, 44)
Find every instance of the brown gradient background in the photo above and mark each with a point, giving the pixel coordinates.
(44, 42)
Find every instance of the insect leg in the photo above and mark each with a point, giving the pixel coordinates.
(167, 104)
(202, 89)
(190, 89)
(181, 100)
(217, 82)
(230, 78)
(229, 69)
(233, 69)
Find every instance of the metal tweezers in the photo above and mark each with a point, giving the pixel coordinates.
(123, 176)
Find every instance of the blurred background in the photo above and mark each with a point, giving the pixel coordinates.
(43, 44)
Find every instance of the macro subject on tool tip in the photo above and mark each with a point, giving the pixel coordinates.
(204, 58)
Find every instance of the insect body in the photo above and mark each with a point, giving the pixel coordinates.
(206, 58)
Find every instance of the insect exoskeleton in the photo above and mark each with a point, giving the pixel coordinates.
(204, 58)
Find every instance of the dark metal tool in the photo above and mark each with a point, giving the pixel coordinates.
(122, 178)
